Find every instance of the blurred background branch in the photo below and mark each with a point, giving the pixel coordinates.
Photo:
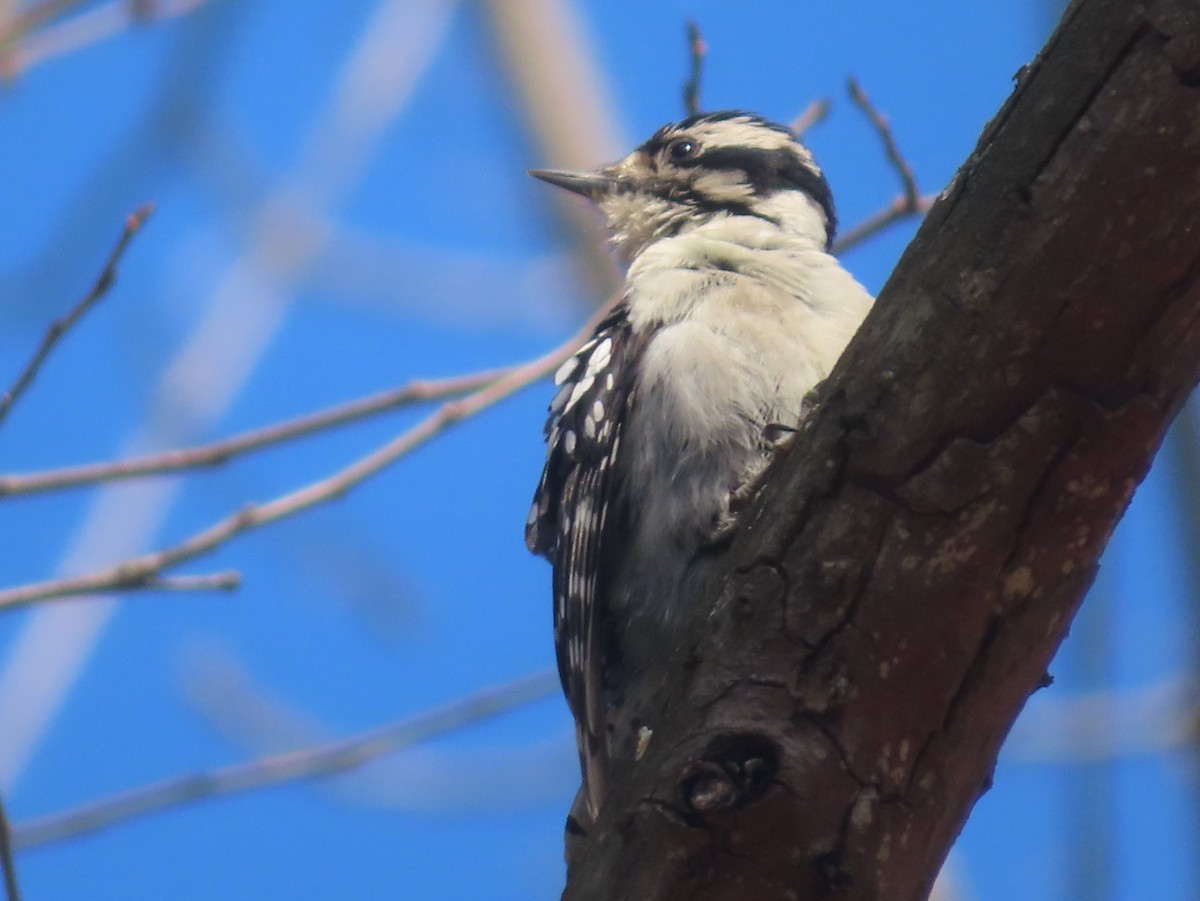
(564, 100)
(302, 764)
(220, 452)
(811, 115)
(38, 33)
(7, 866)
(696, 50)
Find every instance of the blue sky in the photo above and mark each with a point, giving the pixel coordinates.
(433, 254)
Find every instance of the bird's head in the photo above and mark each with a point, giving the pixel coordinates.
(707, 166)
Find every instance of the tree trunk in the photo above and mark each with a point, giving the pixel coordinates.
(914, 560)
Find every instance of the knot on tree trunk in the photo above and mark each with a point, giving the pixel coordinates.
(736, 770)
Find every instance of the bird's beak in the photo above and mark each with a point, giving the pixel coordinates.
(589, 184)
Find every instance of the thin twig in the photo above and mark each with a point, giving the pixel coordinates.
(58, 328)
(11, 890)
(310, 763)
(912, 194)
(814, 113)
(137, 572)
(223, 451)
(696, 52)
(895, 211)
(908, 203)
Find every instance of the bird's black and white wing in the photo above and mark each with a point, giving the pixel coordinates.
(571, 521)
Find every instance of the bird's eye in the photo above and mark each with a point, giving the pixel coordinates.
(682, 149)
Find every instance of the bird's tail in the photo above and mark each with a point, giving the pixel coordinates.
(593, 763)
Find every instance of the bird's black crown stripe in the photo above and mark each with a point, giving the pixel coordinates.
(767, 170)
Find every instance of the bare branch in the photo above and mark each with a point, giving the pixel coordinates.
(32, 17)
(560, 89)
(220, 452)
(912, 193)
(227, 580)
(11, 890)
(895, 211)
(811, 115)
(9, 10)
(697, 49)
(309, 763)
(143, 573)
(34, 46)
(909, 203)
(133, 224)
(139, 572)
(257, 720)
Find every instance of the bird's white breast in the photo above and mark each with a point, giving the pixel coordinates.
(741, 333)
(746, 321)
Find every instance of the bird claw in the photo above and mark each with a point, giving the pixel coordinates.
(776, 436)
(724, 529)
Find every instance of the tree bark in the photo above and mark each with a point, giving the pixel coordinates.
(913, 561)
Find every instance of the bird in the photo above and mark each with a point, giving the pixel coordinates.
(733, 310)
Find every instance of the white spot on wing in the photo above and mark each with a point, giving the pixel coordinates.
(600, 357)
(560, 399)
(580, 389)
(565, 370)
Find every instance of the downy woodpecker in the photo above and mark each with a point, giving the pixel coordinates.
(733, 310)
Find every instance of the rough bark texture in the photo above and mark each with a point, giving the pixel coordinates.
(915, 559)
